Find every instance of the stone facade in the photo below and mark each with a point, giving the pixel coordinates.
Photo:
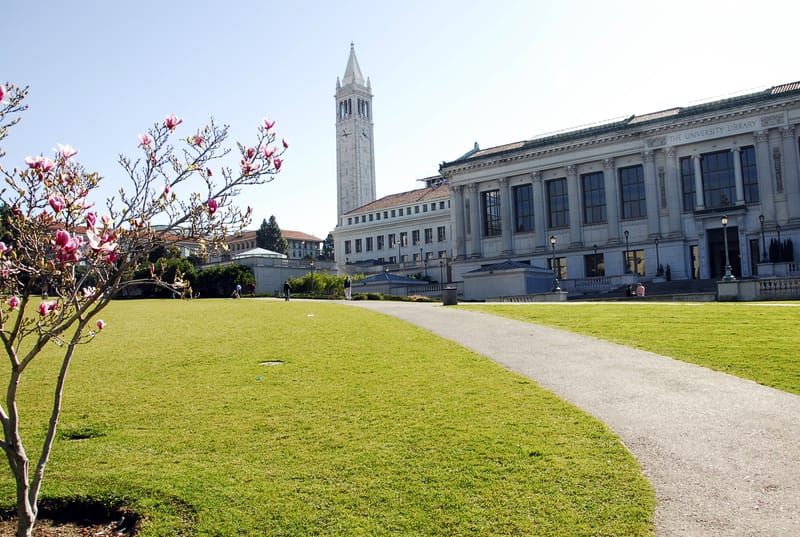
(626, 199)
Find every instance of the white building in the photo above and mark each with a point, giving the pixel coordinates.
(407, 232)
(618, 201)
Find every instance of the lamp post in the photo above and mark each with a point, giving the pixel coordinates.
(658, 261)
(728, 277)
(780, 250)
(627, 253)
(556, 288)
(594, 270)
(312, 276)
(764, 258)
(399, 240)
(441, 270)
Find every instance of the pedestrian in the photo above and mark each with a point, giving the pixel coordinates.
(640, 289)
(347, 290)
(287, 290)
(252, 289)
(237, 292)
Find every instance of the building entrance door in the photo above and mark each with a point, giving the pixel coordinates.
(716, 252)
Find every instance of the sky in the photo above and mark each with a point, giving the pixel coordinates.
(445, 75)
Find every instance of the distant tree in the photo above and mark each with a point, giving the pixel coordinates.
(327, 248)
(269, 237)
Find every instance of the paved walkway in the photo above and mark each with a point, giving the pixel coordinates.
(723, 454)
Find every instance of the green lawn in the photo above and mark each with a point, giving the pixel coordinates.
(754, 341)
(369, 427)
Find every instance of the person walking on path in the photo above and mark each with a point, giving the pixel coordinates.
(347, 289)
(287, 290)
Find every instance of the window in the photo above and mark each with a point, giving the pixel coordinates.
(428, 235)
(687, 183)
(441, 204)
(490, 202)
(440, 234)
(561, 266)
(557, 203)
(370, 217)
(631, 187)
(350, 221)
(380, 242)
(369, 244)
(386, 214)
(415, 237)
(594, 198)
(416, 209)
(523, 208)
(425, 208)
(594, 265)
(393, 213)
(749, 174)
(358, 246)
(442, 254)
(347, 248)
(377, 216)
(403, 238)
(719, 180)
(392, 240)
(363, 218)
(634, 261)
(433, 206)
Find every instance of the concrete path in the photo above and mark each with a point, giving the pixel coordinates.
(722, 453)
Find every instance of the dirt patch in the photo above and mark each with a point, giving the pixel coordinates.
(76, 518)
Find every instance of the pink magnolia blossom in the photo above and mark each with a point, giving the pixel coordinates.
(285, 143)
(39, 163)
(4, 248)
(248, 167)
(13, 302)
(212, 206)
(100, 324)
(104, 245)
(106, 219)
(47, 307)
(67, 151)
(172, 121)
(68, 248)
(91, 219)
(278, 163)
(268, 123)
(144, 140)
(57, 203)
(267, 151)
(2, 92)
(250, 152)
(197, 140)
(88, 291)
(208, 172)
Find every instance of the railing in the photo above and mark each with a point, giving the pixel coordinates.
(779, 288)
(431, 290)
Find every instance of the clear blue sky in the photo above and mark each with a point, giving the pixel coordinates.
(445, 74)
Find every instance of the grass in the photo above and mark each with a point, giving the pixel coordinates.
(753, 341)
(368, 426)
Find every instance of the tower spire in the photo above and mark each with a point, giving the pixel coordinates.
(352, 73)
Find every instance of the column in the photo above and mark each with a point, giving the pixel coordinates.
(612, 200)
(791, 172)
(674, 190)
(698, 183)
(574, 193)
(459, 240)
(506, 224)
(737, 174)
(539, 212)
(651, 194)
(475, 217)
(766, 182)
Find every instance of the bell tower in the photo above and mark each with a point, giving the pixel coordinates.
(355, 147)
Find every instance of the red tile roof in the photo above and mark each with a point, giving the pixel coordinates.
(434, 193)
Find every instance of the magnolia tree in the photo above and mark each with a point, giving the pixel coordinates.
(83, 255)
